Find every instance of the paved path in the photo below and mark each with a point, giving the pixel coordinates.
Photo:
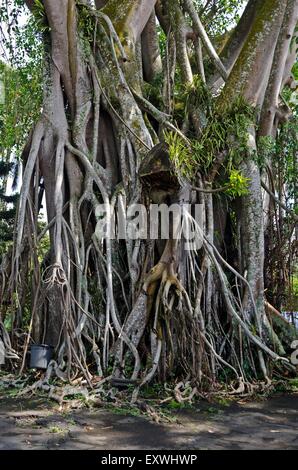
(271, 424)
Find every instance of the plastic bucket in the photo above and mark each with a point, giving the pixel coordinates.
(41, 354)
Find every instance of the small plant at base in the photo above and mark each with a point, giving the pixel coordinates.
(57, 430)
(175, 405)
(293, 384)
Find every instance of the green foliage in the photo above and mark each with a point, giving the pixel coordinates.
(223, 401)
(185, 162)
(7, 209)
(86, 23)
(153, 391)
(295, 68)
(284, 159)
(40, 16)
(58, 430)
(180, 155)
(294, 384)
(176, 405)
(285, 331)
(292, 291)
(153, 91)
(162, 39)
(295, 289)
(44, 244)
(237, 185)
(125, 410)
(21, 74)
(220, 16)
(266, 148)
(204, 161)
(189, 97)
(196, 95)
(289, 93)
(213, 411)
(226, 131)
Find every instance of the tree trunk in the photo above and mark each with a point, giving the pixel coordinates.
(146, 306)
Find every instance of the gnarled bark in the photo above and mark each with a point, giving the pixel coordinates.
(143, 306)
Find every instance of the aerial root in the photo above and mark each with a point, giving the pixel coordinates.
(8, 351)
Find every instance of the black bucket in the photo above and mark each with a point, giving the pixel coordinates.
(41, 354)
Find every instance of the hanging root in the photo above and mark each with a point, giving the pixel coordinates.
(5, 345)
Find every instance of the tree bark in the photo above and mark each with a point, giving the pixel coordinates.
(148, 306)
(271, 101)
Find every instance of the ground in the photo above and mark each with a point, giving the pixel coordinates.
(265, 424)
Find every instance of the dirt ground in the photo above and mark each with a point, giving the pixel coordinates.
(270, 424)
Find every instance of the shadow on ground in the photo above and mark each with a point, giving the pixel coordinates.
(271, 424)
